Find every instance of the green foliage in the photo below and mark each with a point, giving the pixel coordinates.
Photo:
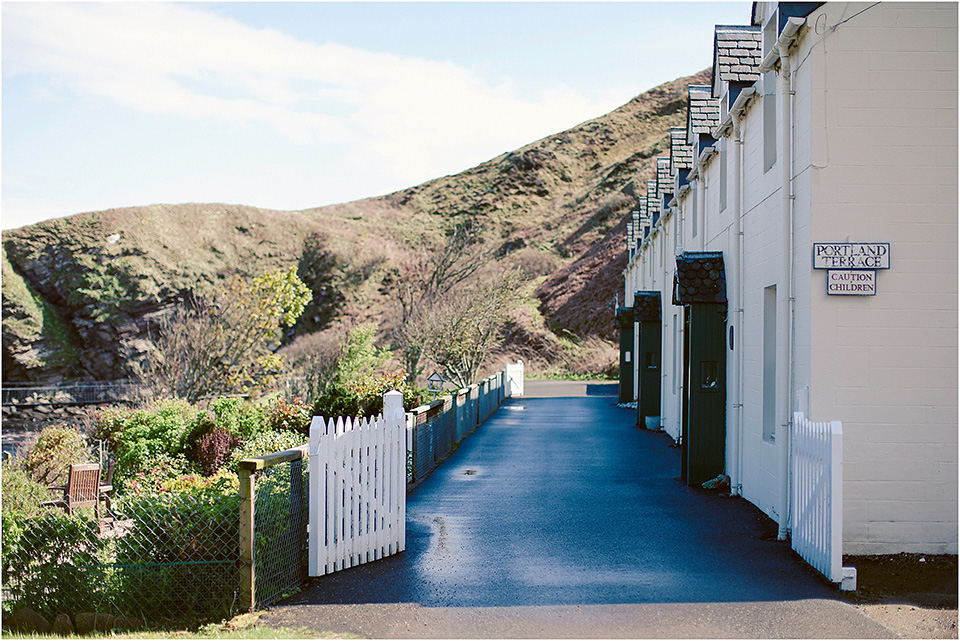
(54, 562)
(266, 443)
(154, 476)
(281, 515)
(146, 441)
(359, 382)
(181, 551)
(360, 355)
(238, 416)
(21, 493)
(56, 449)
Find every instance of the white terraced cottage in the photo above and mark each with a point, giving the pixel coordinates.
(797, 252)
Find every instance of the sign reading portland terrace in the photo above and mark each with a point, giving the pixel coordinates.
(851, 266)
(851, 255)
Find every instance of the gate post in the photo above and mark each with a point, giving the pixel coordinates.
(396, 420)
(248, 594)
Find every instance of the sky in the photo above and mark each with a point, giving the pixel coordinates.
(301, 104)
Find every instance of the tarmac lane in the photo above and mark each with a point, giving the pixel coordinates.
(558, 518)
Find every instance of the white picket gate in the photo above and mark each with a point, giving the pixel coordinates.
(357, 500)
(817, 533)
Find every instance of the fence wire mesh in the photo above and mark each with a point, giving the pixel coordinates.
(153, 559)
(280, 530)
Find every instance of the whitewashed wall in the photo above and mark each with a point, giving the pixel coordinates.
(882, 165)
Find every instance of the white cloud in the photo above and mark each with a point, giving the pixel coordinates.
(409, 118)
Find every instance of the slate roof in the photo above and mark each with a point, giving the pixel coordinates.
(700, 278)
(653, 200)
(646, 306)
(703, 111)
(736, 54)
(664, 178)
(681, 153)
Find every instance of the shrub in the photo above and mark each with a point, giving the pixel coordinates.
(238, 416)
(55, 450)
(180, 550)
(202, 424)
(266, 443)
(140, 439)
(226, 343)
(153, 478)
(21, 494)
(214, 448)
(53, 562)
(292, 416)
(359, 382)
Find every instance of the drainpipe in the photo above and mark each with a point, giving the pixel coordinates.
(736, 484)
(701, 223)
(780, 51)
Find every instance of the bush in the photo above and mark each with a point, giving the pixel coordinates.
(360, 382)
(266, 443)
(56, 449)
(214, 448)
(291, 416)
(238, 416)
(179, 556)
(53, 562)
(21, 494)
(140, 439)
(154, 478)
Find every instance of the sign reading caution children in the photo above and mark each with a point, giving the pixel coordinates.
(851, 267)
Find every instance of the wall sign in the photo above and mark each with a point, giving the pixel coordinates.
(851, 282)
(851, 267)
(851, 255)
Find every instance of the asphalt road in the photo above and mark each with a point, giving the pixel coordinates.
(558, 518)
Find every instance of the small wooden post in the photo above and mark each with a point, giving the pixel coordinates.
(248, 595)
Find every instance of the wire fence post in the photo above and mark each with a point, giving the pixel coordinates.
(248, 588)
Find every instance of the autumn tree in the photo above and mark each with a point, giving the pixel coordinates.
(422, 281)
(464, 327)
(226, 342)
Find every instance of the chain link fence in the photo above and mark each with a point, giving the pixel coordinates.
(154, 559)
(168, 558)
(81, 393)
(274, 554)
(435, 430)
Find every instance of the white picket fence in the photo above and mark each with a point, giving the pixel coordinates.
(817, 464)
(357, 501)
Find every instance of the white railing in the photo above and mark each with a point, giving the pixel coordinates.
(817, 463)
(357, 500)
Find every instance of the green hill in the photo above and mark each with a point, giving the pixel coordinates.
(82, 295)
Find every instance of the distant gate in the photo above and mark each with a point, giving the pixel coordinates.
(357, 501)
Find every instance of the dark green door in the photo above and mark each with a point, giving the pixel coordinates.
(625, 327)
(650, 354)
(704, 438)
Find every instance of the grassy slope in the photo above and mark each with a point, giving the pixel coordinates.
(557, 204)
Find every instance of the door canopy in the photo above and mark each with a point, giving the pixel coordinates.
(700, 278)
(646, 306)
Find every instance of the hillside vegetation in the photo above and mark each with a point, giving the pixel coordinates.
(82, 295)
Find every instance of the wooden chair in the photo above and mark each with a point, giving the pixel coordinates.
(83, 489)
